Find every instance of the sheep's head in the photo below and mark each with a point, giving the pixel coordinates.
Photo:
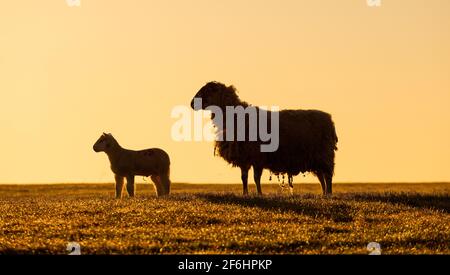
(104, 143)
(215, 93)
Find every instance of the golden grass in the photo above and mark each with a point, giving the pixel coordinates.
(199, 219)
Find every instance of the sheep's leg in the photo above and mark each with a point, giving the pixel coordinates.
(157, 181)
(291, 184)
(257, 173)
(244, 178)
(130, 185)
(119, 186)
(329, 179)
(321, 177)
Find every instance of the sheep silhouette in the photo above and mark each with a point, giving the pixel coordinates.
(307, 141)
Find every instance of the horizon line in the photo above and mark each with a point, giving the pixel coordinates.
(230, 183)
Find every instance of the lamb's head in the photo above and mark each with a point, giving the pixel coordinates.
(104, 143)
(217, 94)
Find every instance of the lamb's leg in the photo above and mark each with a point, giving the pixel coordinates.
(165, 182)
(244, 178)
(291, 184)
(130, 186)
(257, 173)
(119, 186)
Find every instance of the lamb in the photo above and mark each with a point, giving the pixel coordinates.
(125, 163)
(307, 141)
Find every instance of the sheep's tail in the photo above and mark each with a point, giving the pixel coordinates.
(335, 137)
(335, 140)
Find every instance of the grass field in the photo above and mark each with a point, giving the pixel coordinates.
(199, 219)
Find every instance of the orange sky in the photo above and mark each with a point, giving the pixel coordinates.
(69, 73)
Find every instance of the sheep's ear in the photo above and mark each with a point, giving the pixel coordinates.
(231, 88)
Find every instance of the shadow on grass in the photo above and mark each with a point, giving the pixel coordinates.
(427, 201)
(323, 208)
(299, 247)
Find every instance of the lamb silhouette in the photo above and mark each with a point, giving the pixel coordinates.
(126, 163)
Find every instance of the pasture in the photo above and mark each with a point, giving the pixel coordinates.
(217, 219)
